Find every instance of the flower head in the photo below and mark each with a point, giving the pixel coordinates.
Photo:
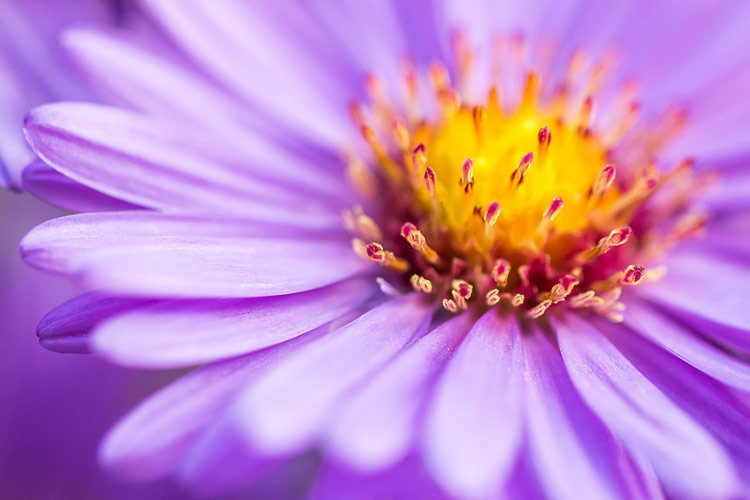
(514, 299)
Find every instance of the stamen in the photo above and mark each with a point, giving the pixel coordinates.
(603, 181)
(401, 133)
(429, 180)
(480, 119)
(417, 240)
(523, 167)
(633, 275)
(419, 157)
(500, 272)
(492, 213)
(439, 76)
(467, 174)
(554, 209)
(587, 110)
(492, 297)
(564, 288)
(538, 310)
(463, 288)
(450, 306)
(375, 252)
(544, 137)
(421, 284)
(616, 238)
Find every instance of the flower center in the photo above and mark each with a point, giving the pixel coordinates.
(516, 204)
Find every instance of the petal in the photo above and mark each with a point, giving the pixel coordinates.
(283, 411)
(246, 42)
(712, 404)
(375, 428)
(149, 441)
(149, 76)
(408, 480)
(568, 445)
(181, 333)
(688, 460)
(473, 427)
(686, 345)
(716, 289)
(50, 186)
(161, 164)
(66, 327)
(153, 254)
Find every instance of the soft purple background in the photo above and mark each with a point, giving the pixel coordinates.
(54, 408)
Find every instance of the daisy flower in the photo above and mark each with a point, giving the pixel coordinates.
(417, 249)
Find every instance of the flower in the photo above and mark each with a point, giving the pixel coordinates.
(517, 301)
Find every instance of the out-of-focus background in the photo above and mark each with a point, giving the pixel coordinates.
(54, 408)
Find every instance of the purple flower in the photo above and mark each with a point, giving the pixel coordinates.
(517, 301)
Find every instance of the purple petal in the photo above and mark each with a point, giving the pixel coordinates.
(712, 404)
(408, 480)
(473, 427)
(716, 289)
(149, 441)
(245, 42)
(688, 460)
(149, 76)
(66, 327)
(219, 461)
(286, 408)
(50, 186)
(151, 254)
(376, 427)
(569, 447)
(180, 333)
(733, 339)
(158, 164)
(686, 345)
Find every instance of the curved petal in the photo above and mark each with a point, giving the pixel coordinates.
(688, 460)
(181, 333)
(50, 186)
(686, 345)
(149, 441)
(283, 411)
(473, 427)
(376, 427)
(567, 444)
(716, 289)
(154, 254)
(235, 41)
(712, 404)
(66, 327)
(162, 164)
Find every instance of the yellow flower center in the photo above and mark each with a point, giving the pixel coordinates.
(516, 204)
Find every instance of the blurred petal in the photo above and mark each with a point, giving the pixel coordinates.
(686, 345)
(688, 460)
(716, 289)
(377, 425)
(568, 445)
(158, 164)
(283, 411)
(473, 428)
(152, 438)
